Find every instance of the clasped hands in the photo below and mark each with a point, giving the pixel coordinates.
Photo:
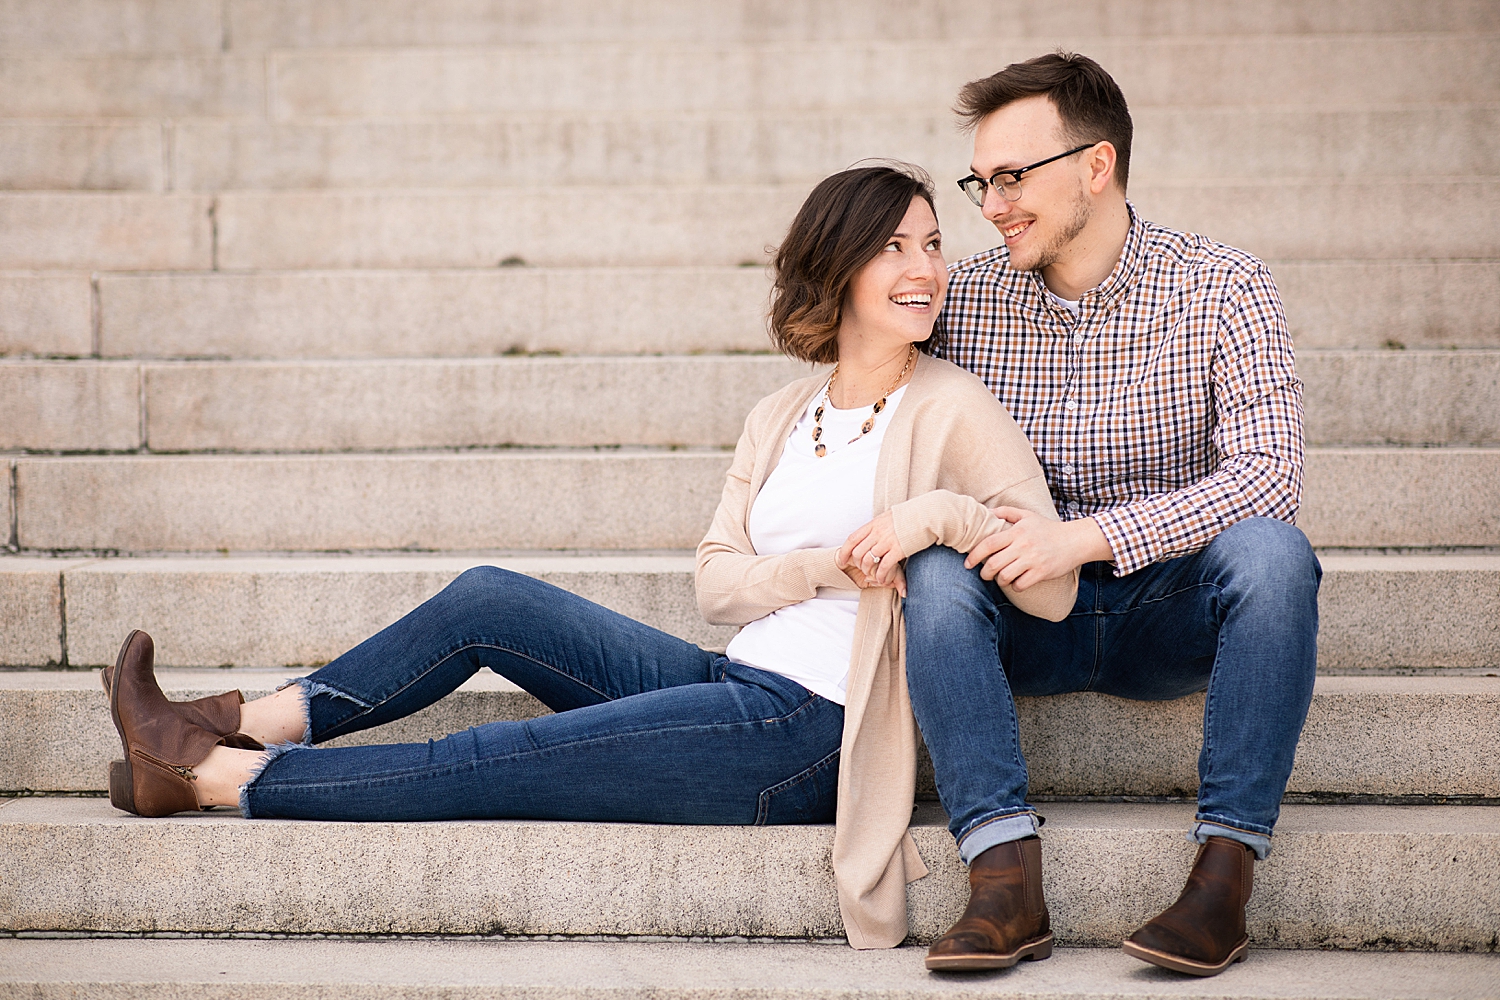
(1024, 549)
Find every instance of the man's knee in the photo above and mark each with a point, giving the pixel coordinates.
(1261, 553)
(935, 575)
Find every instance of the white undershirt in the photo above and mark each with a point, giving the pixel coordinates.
(1071, 305)
(814, 503)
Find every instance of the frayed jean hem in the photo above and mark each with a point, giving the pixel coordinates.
(994, 832)
(310, 688)
(271, 753)
(1260, 843)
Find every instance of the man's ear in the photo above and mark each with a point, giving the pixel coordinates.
(1101, 163)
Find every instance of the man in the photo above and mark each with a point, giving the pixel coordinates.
(1152, 371)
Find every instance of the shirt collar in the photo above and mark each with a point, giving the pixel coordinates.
(1126, 273)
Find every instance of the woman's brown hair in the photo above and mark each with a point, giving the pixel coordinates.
(846, 221)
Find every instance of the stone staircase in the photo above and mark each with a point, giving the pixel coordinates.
(308, 305)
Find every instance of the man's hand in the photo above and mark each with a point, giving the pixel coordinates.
(1034, 548)
(872, 555)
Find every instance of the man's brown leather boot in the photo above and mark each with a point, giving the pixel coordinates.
(161, 748)
(218, 713)
(1006, 919)
(1203, 933)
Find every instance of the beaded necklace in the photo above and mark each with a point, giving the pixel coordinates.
(819, 448)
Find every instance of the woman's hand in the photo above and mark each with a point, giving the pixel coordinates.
(874, 553)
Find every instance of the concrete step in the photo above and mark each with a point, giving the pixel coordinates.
(555, 970)
(46, 314)
(1170, 144)
(114, 231)
(1331, 71)
(1414, 877)
(1353, 497)
(1388, 737)
(1258, 70)
(734, 224)
(202, 26)
(1379, 614)
(375, 314)
(1426, 398)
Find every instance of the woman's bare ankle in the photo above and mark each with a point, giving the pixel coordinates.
(218, 778)
(276, 718)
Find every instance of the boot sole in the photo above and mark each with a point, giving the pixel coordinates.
(1033, 951)
(1179, 964)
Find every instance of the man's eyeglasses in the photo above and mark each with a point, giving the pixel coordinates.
(1008, 182)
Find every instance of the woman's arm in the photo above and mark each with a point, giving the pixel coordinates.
(942, 517)
(734, 585)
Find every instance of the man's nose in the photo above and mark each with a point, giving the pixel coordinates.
(995, 206)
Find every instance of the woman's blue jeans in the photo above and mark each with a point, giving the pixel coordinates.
(648, 728)
(1239, 618)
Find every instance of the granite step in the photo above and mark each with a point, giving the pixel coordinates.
(548, 499)
(1383, 738)
(1259, 70)
(451, 969)
(208, 26)
(1379, 614)
(730, 225)
(1416, 877)
(1171, 144)
(1426, 398)
(465, 313)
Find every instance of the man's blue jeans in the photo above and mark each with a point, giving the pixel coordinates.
(649, 728)
(1239, 618)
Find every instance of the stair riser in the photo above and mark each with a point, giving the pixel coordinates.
(1329, 304)
(550, 500)
(206, 26)
(222, 874)
(306, 612)
(1424, 398)
(1169, 145)
(1430, 739)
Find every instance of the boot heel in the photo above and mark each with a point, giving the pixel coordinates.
(121, 786)
(1038, 952)
(155, 791)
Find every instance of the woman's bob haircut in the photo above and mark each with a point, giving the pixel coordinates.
(846, 221)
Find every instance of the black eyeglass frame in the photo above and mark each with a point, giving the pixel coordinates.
(963, 185)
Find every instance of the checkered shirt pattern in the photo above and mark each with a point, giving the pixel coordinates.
(1169, 409)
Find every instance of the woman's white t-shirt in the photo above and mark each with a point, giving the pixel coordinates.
(814, 503)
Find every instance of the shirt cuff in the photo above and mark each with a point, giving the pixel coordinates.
(1131, 538)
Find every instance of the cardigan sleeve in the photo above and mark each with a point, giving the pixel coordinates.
(734, 585)
(942, 517)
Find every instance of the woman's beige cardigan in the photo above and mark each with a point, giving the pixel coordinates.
(951, 451)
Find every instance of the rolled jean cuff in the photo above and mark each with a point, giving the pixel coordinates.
(1260, 843)
(993, 832)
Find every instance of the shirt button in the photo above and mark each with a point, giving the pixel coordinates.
(1073, 506)
(1078, 339)
(1067, 468)
(1070, 404)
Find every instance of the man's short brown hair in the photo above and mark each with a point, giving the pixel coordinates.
(1088, 100)
(843, 225)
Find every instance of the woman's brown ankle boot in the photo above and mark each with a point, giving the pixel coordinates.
(161, 747)
(218, 713)
(1203, 933)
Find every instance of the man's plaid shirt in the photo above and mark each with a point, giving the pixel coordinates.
(1168, 409)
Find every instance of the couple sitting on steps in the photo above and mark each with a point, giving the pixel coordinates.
(892, 546)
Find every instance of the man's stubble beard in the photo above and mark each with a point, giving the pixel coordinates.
(1050, 253)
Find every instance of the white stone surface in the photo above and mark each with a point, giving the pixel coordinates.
(1254, 70)
(70, 406)
(466, 313)
(45, 314)
(1419, 877)
(81, 156)
(554, 970)
(47, 86)
(1373, 497)
(105, 26)
(109, 231)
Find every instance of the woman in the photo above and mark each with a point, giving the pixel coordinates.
(835, 480)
